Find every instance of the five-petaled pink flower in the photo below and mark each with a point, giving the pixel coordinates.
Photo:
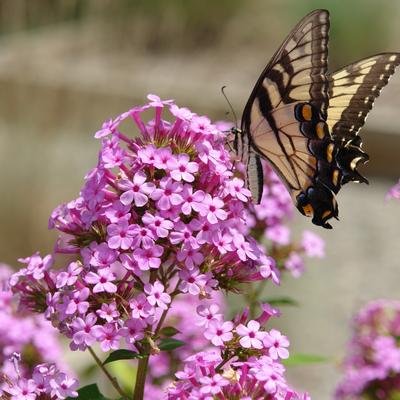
(219, 332)
(136, 191)
(182, 169)
(103, 281)
(213, 209)
(156, 295)
(120, 235)
(251, 336)
(277, 344)
(148, 258)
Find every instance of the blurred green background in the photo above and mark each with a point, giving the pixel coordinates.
(66, 66)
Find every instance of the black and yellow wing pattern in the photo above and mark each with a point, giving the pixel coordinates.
(305, 122)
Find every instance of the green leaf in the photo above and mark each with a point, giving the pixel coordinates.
(302, 359)
(169, 331)
(170, 344)
(89, 392)
(123, 354)
(281, 301)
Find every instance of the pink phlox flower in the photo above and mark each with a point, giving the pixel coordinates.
(147, 154)
(268, 269)
(243, 248)
(207, 153)
(108, 312)
(149, 258)
(140, 307)
(102, 255)
(394, 192)
(142, 237)
(276, 344)
(191, 201)
(313, 245)
(36, 265)
(159, 225)
(85, 331)
(251, 336)
(205, 230)
(279, 234)
(136, 191)
(63, 387)
(213, 209)
(213, 385)
(168, 194)
(190, 256)
(120, 235)
(77, 302)
(267, 313)
(129, 262)
(181, 113)
(208, 314)
(109, 126)
(193, 281)
(202, 124)
(117, 211)
(155, 101)
(162, 158)
(22, 389)
(236, 188)
(181, 168)
(219, 332)
(183, 234)
(133, 330)
(112, 157)
(102, 280)
(295, 264)
(69, 277)
(222, 242)
(108, 337)
(156, 295)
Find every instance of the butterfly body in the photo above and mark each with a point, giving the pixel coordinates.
(304, 122)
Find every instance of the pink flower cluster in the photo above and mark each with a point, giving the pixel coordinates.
(394, 192)
(160, 208)
(26, 340)
(46, 383)
(245, 361)
(372, 366)
(24, 333)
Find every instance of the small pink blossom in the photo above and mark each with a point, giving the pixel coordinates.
(136, 191)
(103, 281)
(149, 258)
(251, 336)
(182, 169)
(276, 344)
(157, 296)
(219, 332)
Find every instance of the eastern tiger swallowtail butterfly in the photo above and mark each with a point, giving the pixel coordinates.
(304, 121)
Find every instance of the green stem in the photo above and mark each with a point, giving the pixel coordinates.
(107, 374)
(138, 393)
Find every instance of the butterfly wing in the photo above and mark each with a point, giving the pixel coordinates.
(284, 116)
(352, 92)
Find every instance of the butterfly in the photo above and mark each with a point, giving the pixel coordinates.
(305, 121)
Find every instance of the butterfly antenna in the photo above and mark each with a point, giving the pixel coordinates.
(230, 105)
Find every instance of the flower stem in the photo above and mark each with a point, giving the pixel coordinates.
(107, 374)
(138, 393)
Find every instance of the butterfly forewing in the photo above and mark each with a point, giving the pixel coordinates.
(294, 79)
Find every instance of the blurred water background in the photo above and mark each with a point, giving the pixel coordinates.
(67, 65)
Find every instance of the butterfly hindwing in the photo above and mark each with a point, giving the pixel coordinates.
(352, 92)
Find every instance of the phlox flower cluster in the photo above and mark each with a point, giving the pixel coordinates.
(46, 383)
(162, 214)
(27, 340)
(244, 362)
(372, 366)
(394, 192)
(23, 333)
(183, 316)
